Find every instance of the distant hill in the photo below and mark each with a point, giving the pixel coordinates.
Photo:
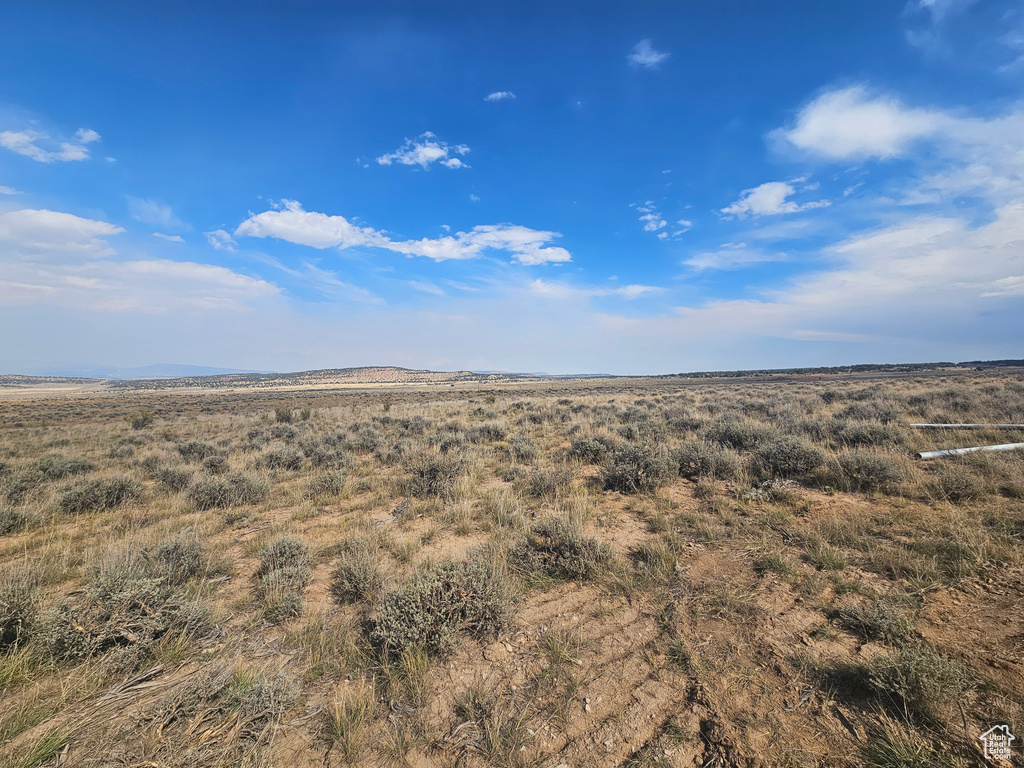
(155, 371)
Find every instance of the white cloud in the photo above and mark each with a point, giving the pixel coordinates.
(474, 197)
(53, 231)
(317, 230)
(425, 287)
(769, 199)
(499, 96)
(42, 148)
(852, 124)
(565, 291)
(169, 238)
(424, 151)
(650, 216)
(293, 224)
(153, 212)
(9, 190)
(732, 256)
(220, 240)
(644, 55)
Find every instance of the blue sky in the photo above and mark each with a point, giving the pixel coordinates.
(560, 187)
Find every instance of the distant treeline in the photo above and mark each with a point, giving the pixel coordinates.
(846, 369)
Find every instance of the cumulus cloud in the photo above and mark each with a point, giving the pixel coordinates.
(650, 216)
(318, 230)
(499, 96)
(36, 231)
(769, 199)
(644, 55)
(854, 124)
(424, 151)
(153, 212)
(43, 148)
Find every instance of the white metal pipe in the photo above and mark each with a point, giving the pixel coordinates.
(966, 426)
(961, 451)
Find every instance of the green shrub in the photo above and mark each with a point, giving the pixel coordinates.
(557, 547)
(174, 479)
(22, 484)
(216, 464)
(177, 561)
(918, 682)
(740, 435)
(701, 458)
(125, 610)
(869, 471)
(17, 609)
(325, 486)
(487, 432)
(140, 419)
(59, 467)
(957, 484)
(433, 473)
(196, 450)
(358, 574)
(283, 415)
(12, 520)
(878, 620)
(787, 457)
(638, 469)
(100, 494)
(233, 490)
(550, 482)
(282, 575)
(280, 457)
(440, 604)
(521, 448)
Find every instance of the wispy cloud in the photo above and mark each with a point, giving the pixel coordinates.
(425, 151)
(731, 256)
(769, 199)
(644, 55)
(654, 221)
(563, 290)
(318, 230)
(220, 240)
(38, 231)
(153, 212)
(42, 148)
(169, 238)
(499, 96)
(9, 190)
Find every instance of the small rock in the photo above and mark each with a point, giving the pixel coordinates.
(586, 707)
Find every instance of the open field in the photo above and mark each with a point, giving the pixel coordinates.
(637, 572)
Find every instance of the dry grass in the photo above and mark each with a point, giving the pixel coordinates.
(598, 573)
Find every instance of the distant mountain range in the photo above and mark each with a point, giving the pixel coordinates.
(155, 371)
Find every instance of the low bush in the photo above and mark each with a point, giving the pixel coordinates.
(325, 486)
(17, 609)
(787, 457)
(232, 490)
(433, 473)
(487, 432)
(919, 683)
(521, 448)
(592, 449)
(637, 469)
(878, 620)
(868, 471)
(140, 419)
(737, 434)
(558, 547)
(98, 495)
(216, 464)
(196, 450)
(59, 467)
(358, 575)
(12, 520)
(701, 458)
(177, 561)
(957, 484)
(174, 479)
(280, 457)
(441, 603)
(549, 482)
(282, 575)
